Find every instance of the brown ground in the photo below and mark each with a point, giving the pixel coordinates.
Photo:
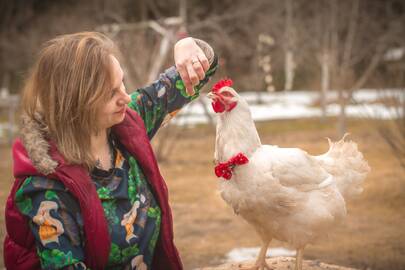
(206, 228)
(279, 263)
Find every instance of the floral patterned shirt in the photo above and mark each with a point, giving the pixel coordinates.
(130, 208)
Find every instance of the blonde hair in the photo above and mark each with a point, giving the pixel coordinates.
(68, 85)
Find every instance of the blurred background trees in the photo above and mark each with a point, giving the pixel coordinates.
(340, 40)
(264, 44)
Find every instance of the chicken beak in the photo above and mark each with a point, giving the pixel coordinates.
(210, 95)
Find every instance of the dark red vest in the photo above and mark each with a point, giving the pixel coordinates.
(19, 244)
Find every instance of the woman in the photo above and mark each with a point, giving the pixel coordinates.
(88, 192)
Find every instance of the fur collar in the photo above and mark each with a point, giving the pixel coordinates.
(33, 135)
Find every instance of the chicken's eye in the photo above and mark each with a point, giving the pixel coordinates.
(226, 94)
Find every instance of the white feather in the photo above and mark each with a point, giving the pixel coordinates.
(285, 193)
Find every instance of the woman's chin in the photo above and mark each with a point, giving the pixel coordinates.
(115, 120)
(118, 119)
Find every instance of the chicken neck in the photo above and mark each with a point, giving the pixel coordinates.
(236, 132)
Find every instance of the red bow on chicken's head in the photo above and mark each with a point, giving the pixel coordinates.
(224, 97)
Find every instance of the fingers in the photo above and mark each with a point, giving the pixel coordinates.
(193, 71)
(182, 69)
(193, 77)
(198, 68)
(204, 62)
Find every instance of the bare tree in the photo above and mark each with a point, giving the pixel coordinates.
(348, 42)
(290, 38)
(393, 132)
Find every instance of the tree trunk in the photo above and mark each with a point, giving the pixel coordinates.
(183, 11)
(325, 83)
(289, 70)
(289, 65)
(164, 49)
(341, 125)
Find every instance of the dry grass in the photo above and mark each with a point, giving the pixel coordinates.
(206, 228)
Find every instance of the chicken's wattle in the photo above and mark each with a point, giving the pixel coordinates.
(220, 107)
(217, 106)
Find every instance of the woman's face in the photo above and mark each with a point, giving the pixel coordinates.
(113, 112)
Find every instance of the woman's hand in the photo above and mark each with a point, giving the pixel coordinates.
(191, 63)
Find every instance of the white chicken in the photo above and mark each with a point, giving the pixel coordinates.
(284, 193)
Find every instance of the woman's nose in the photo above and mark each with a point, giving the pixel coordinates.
(125, 99)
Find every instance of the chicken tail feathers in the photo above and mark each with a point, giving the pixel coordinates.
(347, 165)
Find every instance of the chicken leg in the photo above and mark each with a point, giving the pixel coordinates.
(261, 263)
(298, 259)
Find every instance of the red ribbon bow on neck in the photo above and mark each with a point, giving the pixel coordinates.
(225, 169)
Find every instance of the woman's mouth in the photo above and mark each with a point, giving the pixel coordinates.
(121, 111)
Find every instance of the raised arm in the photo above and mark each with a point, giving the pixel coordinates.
(167, 95)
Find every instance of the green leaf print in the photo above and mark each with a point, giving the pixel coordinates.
(153, 212)
(149, 120)
(153, 240)
(132, 190)
(110, 211)
(152, 114)
(135, 101)
(211, 71)
(130, 252)
(115, 254)
(55, 258)
(25, 205)
(180, 86)
(103, 193)
(133, 168)
(49, 195)
(134, 180)
(20, 191)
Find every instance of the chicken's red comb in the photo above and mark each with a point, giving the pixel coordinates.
(221, 83)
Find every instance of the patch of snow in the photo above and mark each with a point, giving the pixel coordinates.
(299, 104)
(292, 97)
(375, 111)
